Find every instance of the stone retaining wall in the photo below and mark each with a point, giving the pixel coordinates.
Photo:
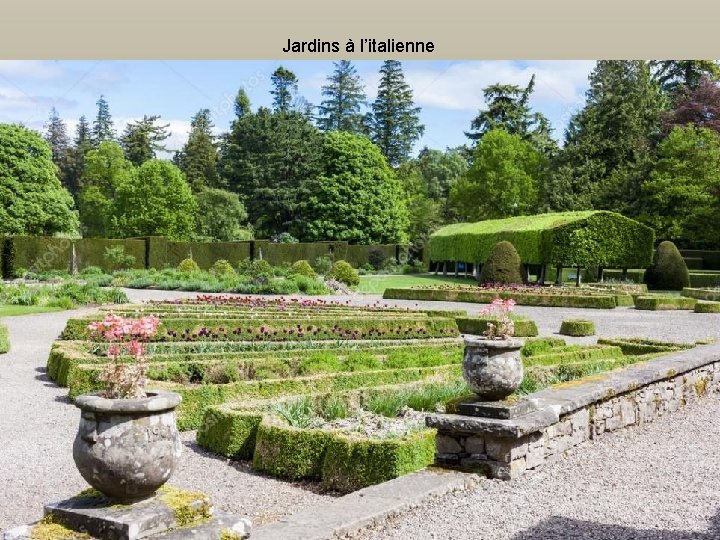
(566, 415)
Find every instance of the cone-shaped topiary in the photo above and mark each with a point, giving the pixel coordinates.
(668, 271)
(503, 265)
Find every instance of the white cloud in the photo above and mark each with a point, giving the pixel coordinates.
(31, 69)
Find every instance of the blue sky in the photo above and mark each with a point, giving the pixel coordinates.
(449, 92)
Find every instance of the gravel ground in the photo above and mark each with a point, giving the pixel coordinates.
(672, 486)
(655, 483)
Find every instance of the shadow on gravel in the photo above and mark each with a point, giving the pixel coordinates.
(560, 528)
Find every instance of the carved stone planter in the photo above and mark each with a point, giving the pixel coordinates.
(492, 368)
(127, 448)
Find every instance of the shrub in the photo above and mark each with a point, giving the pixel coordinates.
(344, 273)
(92, 271)
(376, 258)
(4, 339)
(662, 303)
(222, 268)
(668, 271)
(577, 328)
(302, 268)
(502, 266)
(284, 238)
(707, 307)
(188, 266)
(8, 258)
(117, 259)
(323, 264)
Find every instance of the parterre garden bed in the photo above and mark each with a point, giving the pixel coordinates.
(313, 389)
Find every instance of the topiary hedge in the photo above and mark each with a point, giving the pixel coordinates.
(642, 346)
(668, 271)
(702, 294)
(707, 307)
(588, 238)
(36, 253)
(91, 252)
(662, 303)
(4, 339)
(478, 325)
(577, 328)
(704, 279)
(502, 265)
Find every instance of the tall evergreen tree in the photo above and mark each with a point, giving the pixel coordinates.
(198, 158)
(285, 85)
(57, 137)
(345, 97)
(395, 121)
(676, 75)
(103, 129)
(242, 103)
(82, 143)
(608, 144)
(142, 139)
(508, 107)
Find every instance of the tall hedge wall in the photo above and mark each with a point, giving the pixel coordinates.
(277, 254)
(568, 239)
(360, 255)
(39, 253)
(206, 253)
(91, 252)
(710, 259)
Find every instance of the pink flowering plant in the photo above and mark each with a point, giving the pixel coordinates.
(125, 337)
(503, 327)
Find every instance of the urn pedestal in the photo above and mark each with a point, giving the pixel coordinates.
(492, 368)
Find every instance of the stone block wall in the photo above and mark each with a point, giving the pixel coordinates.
(506, 448)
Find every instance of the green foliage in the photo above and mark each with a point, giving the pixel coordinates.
(702, 294)
(297, 413)
(344, 273)
(285, 86)
(662, 303)
(503, 180)
(707, 307)
(357, 198)
(684, 187)
(102, 128)
(668, 271)
(394, 122)
(142, 139)
(188, 266)
(229, 433)
(502, 265)
(33, 199)
(302, 268)
(322, 264)
(478, 325)
(639, 346)
(222, 268)
(676, 75)
(221, 216)
(4, 339)
(577, 327)
(344, 98)
(117, 259)
(199, 156)
(156, 200)
(569, 238)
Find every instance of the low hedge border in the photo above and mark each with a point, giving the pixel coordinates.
(478, 325)
(485, 297)
(697, 279)
(702, 294)
(644, 346)
(577, 328)
(573, 354)
(4, 339)
(662, 303)
(289, 329)
(707, 307)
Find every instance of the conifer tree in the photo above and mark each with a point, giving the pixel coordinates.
(345, 97)
(198, 158)
(142, 139)
(285, 85)
(676, 75)
(103, 128)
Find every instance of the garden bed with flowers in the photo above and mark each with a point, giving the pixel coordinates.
(306, 389)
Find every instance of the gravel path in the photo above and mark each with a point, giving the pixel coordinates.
(672, 484)
(655, 483)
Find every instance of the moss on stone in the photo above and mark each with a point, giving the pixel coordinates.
(229, 534)
(190, 507)
(700, 387)
(49, 529)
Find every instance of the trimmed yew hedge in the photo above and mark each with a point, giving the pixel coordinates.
(641, 346)
(707, 307)
(478, 325)
(586, 238)
(91, 252)
(484, 296)
(701, 294)
(577, 328)
(662, 303)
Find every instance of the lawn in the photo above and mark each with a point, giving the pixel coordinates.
(10, 311)
(376, 284)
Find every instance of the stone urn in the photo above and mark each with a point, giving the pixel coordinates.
(127, 448)
(492, 368)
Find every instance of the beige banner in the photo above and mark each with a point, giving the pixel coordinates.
(223, 29)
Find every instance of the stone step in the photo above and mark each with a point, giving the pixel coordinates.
(221, 527)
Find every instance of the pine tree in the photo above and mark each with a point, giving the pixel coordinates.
(198, 158)
(142, 139)
(242, 103)
(103, 129)
(395, 121)
(345, 97)
(676, 75)
(57, 137)
(285, 85)
(82, 143)
(508, 107)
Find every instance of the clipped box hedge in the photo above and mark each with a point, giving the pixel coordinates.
(4, 339)
(707, 307)
(702, 294)
(577, 328)
(662, 303)
(478, 325)
(484, 296)
(641, 346)
(597, 238)
(704, 279)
